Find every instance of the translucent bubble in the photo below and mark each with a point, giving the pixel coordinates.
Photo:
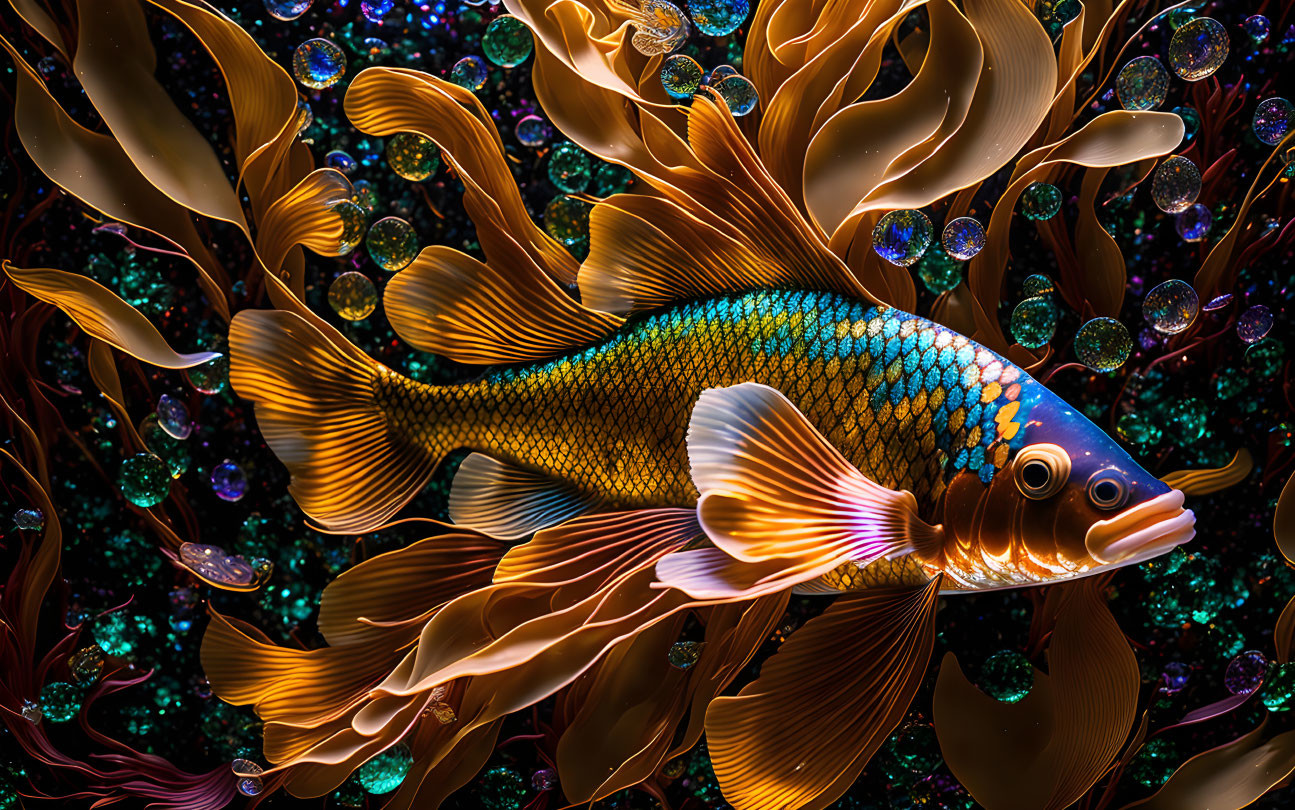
(354, 220)
(470, 73)
(721, 72)
(661, 27)
(1193, 225)
(144, 479)
(375, 10)
(1171, 307)
(60, 701)
(901, 237)
(507, 41)
(533, 131)
(412, 156)
(211, 377)
(1040, 201)
(570, 168)
(1254, 324)
(86, 663)
(352, 296)
(386, 771)
(1218, 302)
(681, 76)
(337, 159)
(738, 93)
(173, 416)
(718, 17)
(1038, 285)
(163, 445)
(214, 564)
(1191, 122)
(287, 9)
(1142, 84)
(544, 779)
(392, 243)
(1103, 344)
(1034, 322)
(683, 654)
(939, 271)
(1257, 28)
(1272, 120)
(32, 520)
(1245, 673)
(1006, 676)
(228, 481)
(248, 775)
(318, 63)
(963, 238)
(1176, 185)
(305, 116)
(1198, 48)
(610, 179)
(365, 196)
(567, 220)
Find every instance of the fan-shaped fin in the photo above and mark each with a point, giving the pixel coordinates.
(449, 303)
(507, 502)
(847, 677)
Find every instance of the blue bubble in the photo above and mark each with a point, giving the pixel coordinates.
(1193, 225)
(739, 94)
(901, 237)
(470, 73)
(318, 63)
(963, 238)
(287, 9)
(228, 481)
(375, 10)
(337, 159)
(1272, 120)
(533, 131)
(718, 17)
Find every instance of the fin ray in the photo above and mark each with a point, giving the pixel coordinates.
(508, 502)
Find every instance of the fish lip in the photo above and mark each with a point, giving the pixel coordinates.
(1142, 531)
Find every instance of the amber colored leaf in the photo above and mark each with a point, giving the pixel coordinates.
(1058, 740)
(1207, 481)
(1284, 521)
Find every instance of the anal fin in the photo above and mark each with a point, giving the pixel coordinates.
(508, 502)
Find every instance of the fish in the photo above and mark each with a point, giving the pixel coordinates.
(718, 417)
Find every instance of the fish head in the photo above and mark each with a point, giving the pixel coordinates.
(1068, 502)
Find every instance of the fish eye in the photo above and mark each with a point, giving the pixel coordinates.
(1108, 489)
(1041, 470)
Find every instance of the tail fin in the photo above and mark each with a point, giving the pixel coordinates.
(317, 405)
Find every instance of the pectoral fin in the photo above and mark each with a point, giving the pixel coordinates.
(800, 734)
(781, 503)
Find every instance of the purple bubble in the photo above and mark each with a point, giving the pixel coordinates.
(228, 481)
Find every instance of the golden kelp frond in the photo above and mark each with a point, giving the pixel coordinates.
(385, 101)
(103, 315)
(307, 216)
(1060, 738)
(1204, 482)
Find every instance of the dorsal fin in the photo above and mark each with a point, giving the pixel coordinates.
(507, 502)
(730, 228)
(449, 303)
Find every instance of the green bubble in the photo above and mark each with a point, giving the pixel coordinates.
(1103, 344)
(1279, 687)
(567, 220)
(1007, 676)
(501, 789)
(1040, 201)
(507, 41)
(1138, 428)
(386, 771)
(939, 271)
(145, 480)
(1034, 322)
(570, 168)
(60, 701)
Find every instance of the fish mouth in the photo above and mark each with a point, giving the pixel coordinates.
(1141, 532)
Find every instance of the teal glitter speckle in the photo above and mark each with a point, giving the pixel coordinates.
(1278, 688)
(386, 771)
(1138, 428)
(1007, 676)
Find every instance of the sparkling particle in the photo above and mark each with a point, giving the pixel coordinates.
(1198, 48)
(1175, 185)
(318, 64)
(1171, 307)
(287, 9)
(1103, 344)
(145, 480)
(718, 17)
(681, 76)
(1186, 419)
(1034, 322)
(963, 238)
(544, 779)
(901, 237)
(939, 271)
(354, 221)
(683, 654)
(1142, 84)
(211, 377)
(173, 416)
(1040, 201)
(228, 481)
(507, 41)
(470, 73)
(60, 701)
(386, 771)
(1245, 673)
(1257, 28)
(1193, 224)
(916, 748)
(1272, 120)
(85, 664)
(1254, 324)
(570, 168)
(353, 296)
(392, 243)
(412, 156)
(32, 520)
(567, 220)
(248, 774)
(1279, 688)
(1007, 676)
(533, 131)
(738, 93)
